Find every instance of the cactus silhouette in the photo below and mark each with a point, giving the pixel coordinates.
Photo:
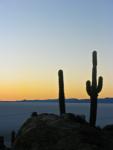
(93, 90)
(13, 137)
(61, 92)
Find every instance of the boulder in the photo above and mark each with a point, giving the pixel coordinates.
(68, 132)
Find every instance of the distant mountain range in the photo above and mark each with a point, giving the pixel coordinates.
(71, 100)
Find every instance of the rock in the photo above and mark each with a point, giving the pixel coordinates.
(76, 118)
(108, 128)
(2, 145)
(34, 114)
(68, 132)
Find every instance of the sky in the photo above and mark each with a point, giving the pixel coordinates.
(39, 37)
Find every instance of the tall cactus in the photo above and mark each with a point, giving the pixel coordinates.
(61, 92)
(93, 89)
(13, 137)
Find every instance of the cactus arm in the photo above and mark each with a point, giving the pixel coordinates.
(88, 87)
(100, 84)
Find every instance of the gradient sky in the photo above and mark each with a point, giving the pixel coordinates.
(39, 37)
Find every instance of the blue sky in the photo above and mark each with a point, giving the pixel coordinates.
(39, 37)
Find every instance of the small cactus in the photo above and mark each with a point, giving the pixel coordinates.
(93, 89)
(61, 92)
(13, 137)
(2, 146)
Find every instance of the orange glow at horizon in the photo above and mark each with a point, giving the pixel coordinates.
(44, 90)
(38, 38)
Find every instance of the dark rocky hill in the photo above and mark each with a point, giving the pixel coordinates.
(69, 132)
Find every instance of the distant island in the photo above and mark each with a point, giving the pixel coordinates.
(71, 100)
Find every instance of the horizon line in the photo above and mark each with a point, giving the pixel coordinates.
(51, 99)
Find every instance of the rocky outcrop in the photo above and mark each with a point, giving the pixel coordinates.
(69, 132)
(2, 145)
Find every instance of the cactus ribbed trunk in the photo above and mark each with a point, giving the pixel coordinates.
(93, 89)
(93, 111)
(93, 108)
(61, 93)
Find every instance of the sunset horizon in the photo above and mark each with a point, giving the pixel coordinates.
(56, 80)
(39, 38)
